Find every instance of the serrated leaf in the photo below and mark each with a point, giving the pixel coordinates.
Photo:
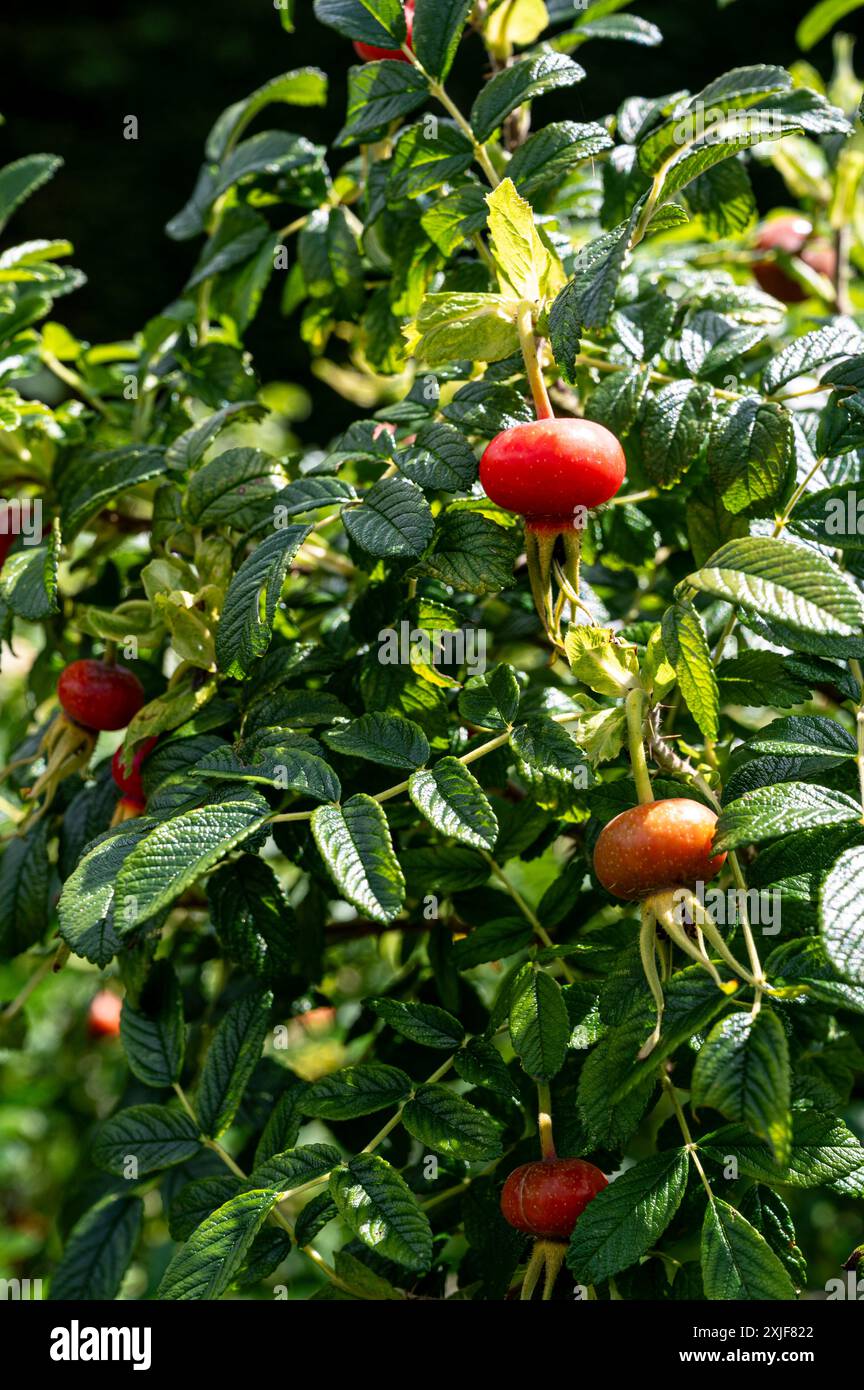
(21, 178)
(425, 1024)
(231, 1059)
(767, 812)
(354, 1091)
(381, 1210)
(377, 94)
(440, 458)
(451, 798)
(216, 1251)
(249, 610)
(154, 1033)
(422, 162)
(393, 519)
(451, 1125)
(743, 1071)
(837, 339)
(539, 1023)
(823, 1151)
(86, 906)
(386, 739)
(524, 80)
(472, 553)
(547, 157)
(98, 1251)
(628, 1217)
(526, 267)
(354, 842)
(687, 648)
(737, 1263)
(177, 852)
(25, 891)
(752, 456)
(149, 1137)
(841, 912)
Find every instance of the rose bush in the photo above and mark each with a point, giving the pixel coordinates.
(382, 726)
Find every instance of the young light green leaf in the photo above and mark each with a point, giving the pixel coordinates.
(526, 267)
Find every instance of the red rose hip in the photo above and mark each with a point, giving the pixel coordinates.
(657, 846)
(546, 1198)
(547, 469)
(791, 234)
(370, 54)
(130, 782)
(103, 1016)
(98, 696)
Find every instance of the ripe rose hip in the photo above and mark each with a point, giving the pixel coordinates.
(791, 234)
(130, 782)
(657, 846)
(98, 696)
(370, 54)
(103, 1016)
(546, 1198)
(545, 470)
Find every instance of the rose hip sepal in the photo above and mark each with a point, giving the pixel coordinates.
(98, 696)
(656, 847)
(370, 54)
(546, 1198)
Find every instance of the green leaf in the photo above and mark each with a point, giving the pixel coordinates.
(354, 1091)
(377, 94)
(588, 299)
(29, 583)
(524, 80)
(387, 739)
(254, 924)
(547, 157)
(425, 1024)
(687, 648)
(539, 1023)
(491, 700)
(769, 1215)
(249, 610)
(25, 891)
(526, 267)
(738, 1263)
(330, 259)
(302, 87)
(472, 553)
(216, 1251)
(451, 1125)
(296, 1167)
(438, 26)
(451, 798)
(86, 906)
(381, 1210)
(841, 912)
(833, 515)
(231, 1059)
(480, 1063)
(743, 1071)
(94, 478)
(767, 812)
(479, 327)
(823, 1151)
(422, 162)
(354, 842)
(144, 1139)
(628, 1217)
(176, 853)
(21, 178)
(98, 1251)
(505, 936)
(782, 582)
(811, 350)
(197, 1200)
(752, 456)
(231, 489)
(394, 519)
(441, 459)
(376, 22)
(545, 749)
(154, 1033)
(450, 221)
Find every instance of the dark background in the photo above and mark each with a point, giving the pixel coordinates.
(72, 73)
